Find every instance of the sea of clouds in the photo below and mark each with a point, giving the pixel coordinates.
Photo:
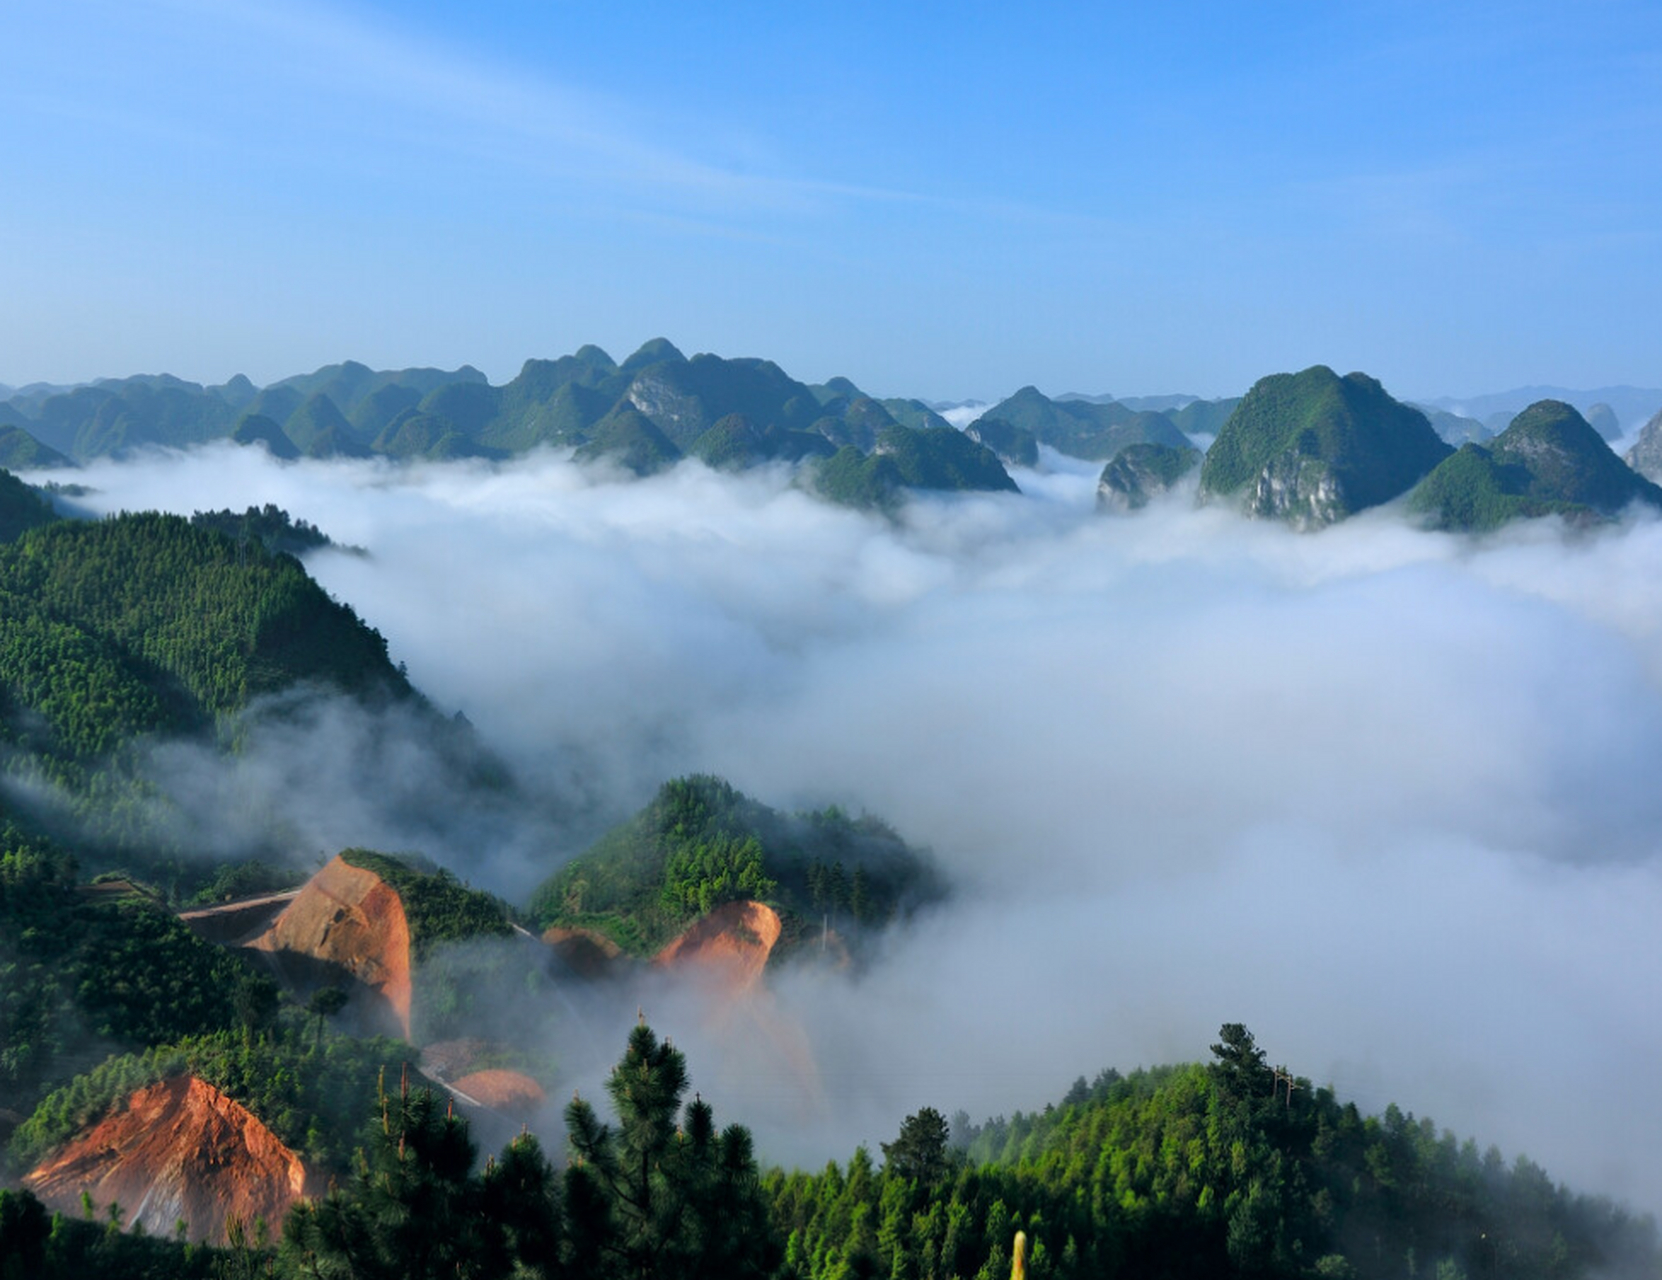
(1387, 797)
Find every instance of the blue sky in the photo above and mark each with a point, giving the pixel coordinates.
(935, 200)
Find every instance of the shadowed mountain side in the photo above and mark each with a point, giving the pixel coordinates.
(1312, 448)
(1140, 472)
(21, 508)
(1549, 461)
(1645, 456)
(1082, 429)
(20, 451)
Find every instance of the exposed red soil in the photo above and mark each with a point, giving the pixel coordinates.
(180, 1149)
(350, 917)
(729, 947)
(586, 953)
(503, 1090)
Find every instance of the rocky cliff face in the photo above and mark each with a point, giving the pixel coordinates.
(348, 918)
(729, 948)
(1312, 448)
(180, 1149)
(1301, 490)
(1141, 472)
(1645, 456)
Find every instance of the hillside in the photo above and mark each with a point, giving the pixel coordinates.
(1083, 429)
(369, 924)
(939, 459)
(21, 508)
(177, 1151)
(702, 844)
(1312, 448)
(1549, 461)
(1140, 472)
(1233, 1169)
(1645, 456)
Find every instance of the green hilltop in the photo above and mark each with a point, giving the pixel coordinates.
(701, 843)
(644, 415)
(1140, 472)
(1549, 461)
(1312, 448)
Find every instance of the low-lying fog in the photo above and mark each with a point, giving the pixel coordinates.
(1387, 797)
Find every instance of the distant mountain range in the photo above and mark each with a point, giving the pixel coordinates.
(1631, 406)
(1310, 447)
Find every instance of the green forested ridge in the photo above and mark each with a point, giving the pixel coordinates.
(645, 414)
(218, 619)
(938, 458)
(1140, 472)
(1015, 446)
(1235, 1170)
(21, 508)
(439, 907)
(83, 970)
(20, 451)
(1314, 447)
(701, 843)
(273, 527)
(1549, 461)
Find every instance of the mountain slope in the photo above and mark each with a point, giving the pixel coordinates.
(1312, 448)
(702, 844)
(1549, 461)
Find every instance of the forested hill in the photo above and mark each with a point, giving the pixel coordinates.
(1229, 1171)
(1236, 1169)
(701, 843)
(144, 623)
(21, 507)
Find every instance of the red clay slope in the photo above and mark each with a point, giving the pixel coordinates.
(502, 1090)
(352, 918)
(729, 947)
(181, 1149)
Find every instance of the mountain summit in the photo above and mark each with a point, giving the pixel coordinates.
(1312, 448)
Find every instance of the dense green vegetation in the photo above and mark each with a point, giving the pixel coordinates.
(275, 529)
(20, 451)
(1140, 472)
(644, 415)
(938, 458)
(116, 630)
(701, 842)
(312, 1091)
(1235, 1169)
(1313, 447)
(1015, 446)
(85, 968)
(1549, 461)
(438, 906)
(216, 620)
(21, 508)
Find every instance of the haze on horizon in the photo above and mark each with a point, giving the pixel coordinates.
(1455, 198)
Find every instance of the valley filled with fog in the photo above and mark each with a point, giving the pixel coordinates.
(1374, 792)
